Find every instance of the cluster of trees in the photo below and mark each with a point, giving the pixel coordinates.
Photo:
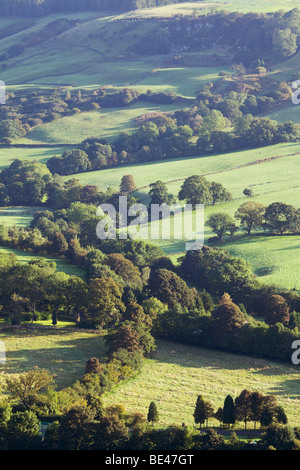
(278, 218)
(25, 112)
(229, 327)
(32, 184)
(79, 421)
(202, 129)
(262, 32)
(248, 406)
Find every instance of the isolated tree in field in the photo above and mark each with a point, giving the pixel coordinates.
(221, 224)
(29, 385)
(127, 184)
(228, 416)
(195, 190)
(152, 416)
(251, 214)
(248, 192)
(277, 310)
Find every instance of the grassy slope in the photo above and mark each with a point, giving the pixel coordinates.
(188, 8)
(178, 374)
(7, 155)
(61, 264)
(62, 352)
(272, 180)
(106, 123)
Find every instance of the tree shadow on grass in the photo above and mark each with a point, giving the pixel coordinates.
(64, 355)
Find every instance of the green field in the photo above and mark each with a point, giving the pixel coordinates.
(8, 155)
(63, 352)
(178, 374)
(61, 264)
(188, 8)
(106, 123)
(270, 171)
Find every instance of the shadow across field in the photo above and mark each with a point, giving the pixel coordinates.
(279, 375)
(63, 352)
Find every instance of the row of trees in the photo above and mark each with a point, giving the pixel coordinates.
(248, 406)
(164, 138)
(276, 32)
(29, 183)
(22, 113)
(81, 422)
(278, 218)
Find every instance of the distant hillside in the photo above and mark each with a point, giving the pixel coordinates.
(45, 7)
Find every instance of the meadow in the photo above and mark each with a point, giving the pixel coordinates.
(269, 171)
(62, 351)
(190, 8)
(177, 374)
(39, 154)
(106, 123)
(61, 264)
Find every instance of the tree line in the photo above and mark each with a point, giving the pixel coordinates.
(277, 217)
(79, 421)
(48, 7)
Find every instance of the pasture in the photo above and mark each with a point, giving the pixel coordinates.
(62, 351)
(177, 374)
(106, 123)
(270, 172)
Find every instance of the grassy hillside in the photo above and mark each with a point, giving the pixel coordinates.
(270, 171)
(188, 8)
(106, 123)
(42, 154)
(178, 374)
(63, 352)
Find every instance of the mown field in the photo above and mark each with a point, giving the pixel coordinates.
(178, 374)
(62, 351)
(173, 378)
